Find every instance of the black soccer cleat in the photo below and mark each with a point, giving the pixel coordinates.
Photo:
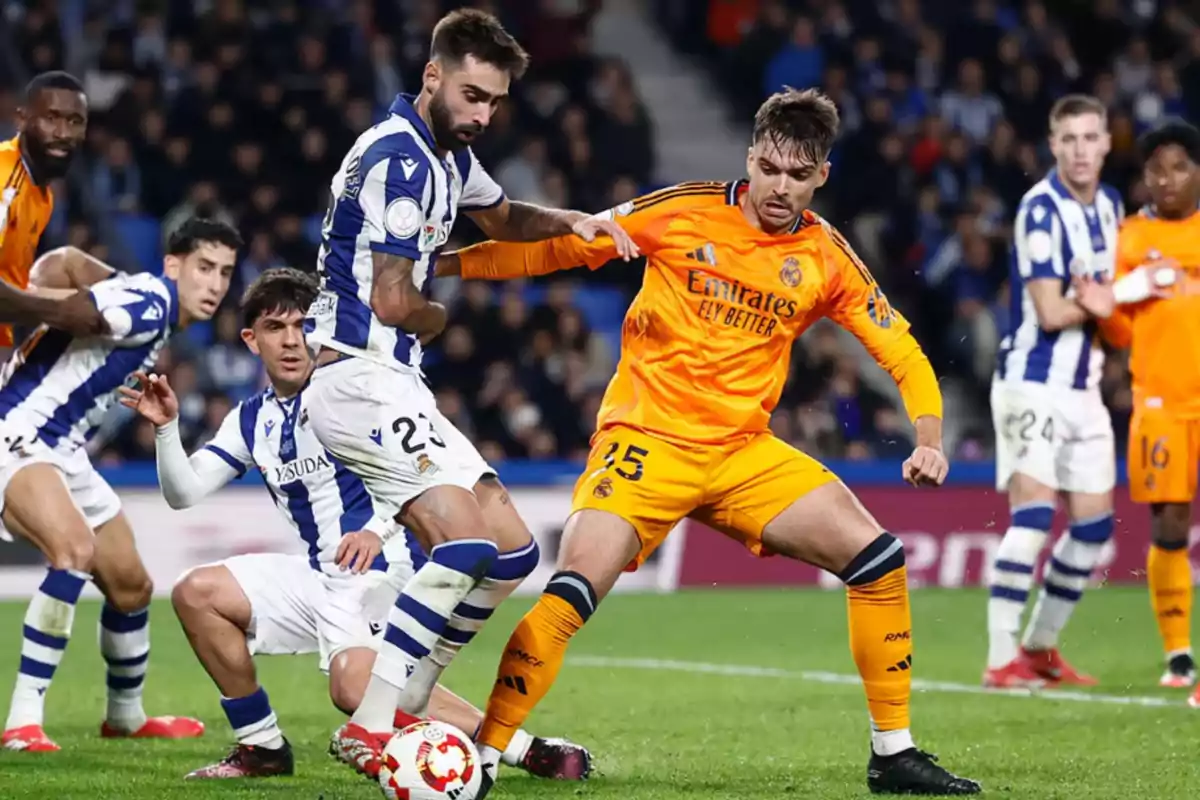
(557, 760)
(247, 761)
(488, 779)
(914, 771)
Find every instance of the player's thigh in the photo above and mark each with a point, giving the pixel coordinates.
(1088, 459)
(283, 592)
(1026, 445)
(755, 484)
(1161, 458)
(636, 484)
(38, 506)
(211, 589)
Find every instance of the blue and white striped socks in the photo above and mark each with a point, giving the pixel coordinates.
(1012, 578)
(1074, 559)
(415, 623)
(253, 721)
(125, 645)
(47, 630)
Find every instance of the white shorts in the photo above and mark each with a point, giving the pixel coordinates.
(296, 609)
(1062, 438)
(384, 425)
(93, 496)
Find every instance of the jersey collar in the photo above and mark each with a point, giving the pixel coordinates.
(405, 106)
(173, 294)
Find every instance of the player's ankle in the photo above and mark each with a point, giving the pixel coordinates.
(514, 754)
(889, 743)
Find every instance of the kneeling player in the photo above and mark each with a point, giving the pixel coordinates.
(56, 393)
(735, 273)
(330, 600)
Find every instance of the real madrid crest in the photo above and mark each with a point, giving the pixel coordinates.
(789, 273)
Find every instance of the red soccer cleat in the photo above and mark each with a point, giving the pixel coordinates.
(1054, 669)
(1016, 674)
(247, 761)
(403, 719)
(354, 745)
(157, 728)
(29, 738)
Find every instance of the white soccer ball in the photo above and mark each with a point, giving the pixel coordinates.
(430, 760)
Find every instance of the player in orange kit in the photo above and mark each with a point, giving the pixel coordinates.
(1157, 289)
(51, 125)
(735, 273)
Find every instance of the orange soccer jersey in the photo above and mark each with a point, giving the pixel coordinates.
(706, 343)
(1164, 339)
(25, 210)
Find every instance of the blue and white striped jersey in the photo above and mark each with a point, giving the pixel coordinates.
(393, 194)
(62, 387)
(319, 497)
(1056, 236)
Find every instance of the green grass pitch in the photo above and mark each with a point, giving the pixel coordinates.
(641, 690)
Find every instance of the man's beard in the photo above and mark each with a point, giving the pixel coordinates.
(445, 134)
(48, 167)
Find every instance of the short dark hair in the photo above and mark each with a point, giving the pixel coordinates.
(194, 231)
(278, 290)
(55, 79)
(804, 121)
(1171, 131)
(1076, 105)
(471, 32)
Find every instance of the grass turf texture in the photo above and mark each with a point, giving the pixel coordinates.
(663, 734)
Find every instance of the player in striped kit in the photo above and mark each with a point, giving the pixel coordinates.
(333, 598)
(56, 392)
(393, 204)
(1053, 432)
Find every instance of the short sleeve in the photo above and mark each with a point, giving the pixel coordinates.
(135, 314)
(1037, 239)
(393, 195)
(229, 443)
(479, 191)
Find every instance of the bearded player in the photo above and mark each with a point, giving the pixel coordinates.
(1158, 292)
(735, 273)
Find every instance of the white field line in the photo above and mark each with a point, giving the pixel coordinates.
(918, 684)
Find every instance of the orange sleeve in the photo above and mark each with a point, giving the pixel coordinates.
(644, 219)
(855, 301)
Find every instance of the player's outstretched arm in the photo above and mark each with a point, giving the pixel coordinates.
(76, 314)
(184, 480)
(68, 268)
(397, 301)
(513, 221)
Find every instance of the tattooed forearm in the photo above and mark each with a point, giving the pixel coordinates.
(529, 223)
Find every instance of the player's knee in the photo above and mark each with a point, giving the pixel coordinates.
(877, 560)
(196, 590)
(132, 596)
(349, 672)
(576, 590)
(76, 552)
(1171, 524)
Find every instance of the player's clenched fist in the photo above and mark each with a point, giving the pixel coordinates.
(927, 466)
(153, 398)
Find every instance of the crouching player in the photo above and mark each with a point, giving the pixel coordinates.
(331, 600)
(56, 392)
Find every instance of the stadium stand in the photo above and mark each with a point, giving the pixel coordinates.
(244, 109)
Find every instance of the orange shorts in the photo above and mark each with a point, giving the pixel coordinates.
(653, 484)
(1163, 453)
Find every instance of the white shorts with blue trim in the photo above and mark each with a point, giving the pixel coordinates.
(384, 426)
(20, 447)
(1059, 437)
(296, 609)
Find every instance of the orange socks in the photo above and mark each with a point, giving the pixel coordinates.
(1169, 573)
(533, 656)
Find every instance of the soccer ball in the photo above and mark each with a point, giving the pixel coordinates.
(430, 760)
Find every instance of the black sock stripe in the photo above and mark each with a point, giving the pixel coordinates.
(1172, 546)
(576, 590)
(885, 554)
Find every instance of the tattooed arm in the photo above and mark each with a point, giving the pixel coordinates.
(397, 301)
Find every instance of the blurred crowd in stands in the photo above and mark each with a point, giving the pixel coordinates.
(244, 109)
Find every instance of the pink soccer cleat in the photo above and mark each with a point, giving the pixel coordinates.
(157, 728)
(1054, 669)
(29, 738)
(1016, 674)
(247, 761)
